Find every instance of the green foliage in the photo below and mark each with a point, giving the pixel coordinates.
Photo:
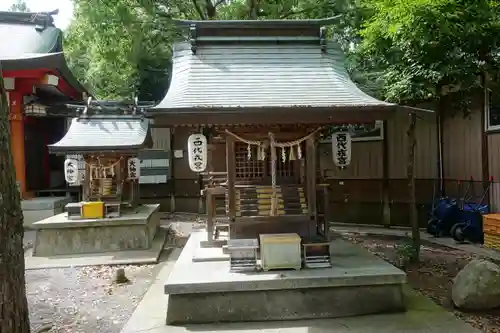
(407, 251)
(19, 6)
(425, 49)
(114, 46)
(122, 48)
(404, 51)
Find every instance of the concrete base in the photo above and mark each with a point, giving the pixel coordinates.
(358, 283)
(57, 235)
(130, 257)
(37, 209)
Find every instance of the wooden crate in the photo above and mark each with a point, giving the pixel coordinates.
(491, 224)
(492, 241)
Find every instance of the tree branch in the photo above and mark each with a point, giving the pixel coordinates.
(199, 10)
(302, 11)
(210, 9)
(219, 2)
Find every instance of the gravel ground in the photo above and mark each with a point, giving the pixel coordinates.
(433, 274)
(86, 299)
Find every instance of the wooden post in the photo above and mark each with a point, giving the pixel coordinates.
(274, 200)
(231, 177)
(311, 178)
(327, 212)
(171, 178)
(210, 215)
(415, 231)
(16, 119)
(386, 206)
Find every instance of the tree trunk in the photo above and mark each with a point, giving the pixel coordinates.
(415, 230)
(14, 317)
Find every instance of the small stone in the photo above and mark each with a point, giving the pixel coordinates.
(120, 277)
(45, 328)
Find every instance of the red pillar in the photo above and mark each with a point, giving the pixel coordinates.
(16, 118)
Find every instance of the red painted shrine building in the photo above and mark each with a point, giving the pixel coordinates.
(37, 78)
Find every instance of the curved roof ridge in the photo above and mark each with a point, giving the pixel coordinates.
(260, 76)
(28, 18)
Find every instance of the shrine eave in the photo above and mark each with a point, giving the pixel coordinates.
(104, 135)
(51, 62)
(256, 23)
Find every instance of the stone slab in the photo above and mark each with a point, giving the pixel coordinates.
(136, 217)
(203, 254)
(132, 257)
(351, 266)
(289, 304)
(37, 209)
(132, 231)
(422, 316)
(44, 203)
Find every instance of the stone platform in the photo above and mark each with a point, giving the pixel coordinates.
(205, 291)
(133, 230)
(36, 209)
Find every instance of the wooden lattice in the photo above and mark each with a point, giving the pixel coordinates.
(247, 169)
(253, 169)
(284, 169)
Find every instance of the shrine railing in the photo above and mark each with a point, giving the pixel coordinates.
(214, 179)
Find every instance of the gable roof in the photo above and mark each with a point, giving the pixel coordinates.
(104, 134)
(251, 72)
(33, 43)
(261, 75)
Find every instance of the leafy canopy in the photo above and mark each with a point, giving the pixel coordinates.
(425, 49)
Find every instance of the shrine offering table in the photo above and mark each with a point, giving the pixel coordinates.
(206, 291)
(133, 230)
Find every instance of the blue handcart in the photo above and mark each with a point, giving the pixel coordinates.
(469, 222)
(445, 211)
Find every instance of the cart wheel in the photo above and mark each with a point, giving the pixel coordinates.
(433, 227)
(457, 232)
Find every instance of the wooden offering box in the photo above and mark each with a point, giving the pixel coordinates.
(280, 251)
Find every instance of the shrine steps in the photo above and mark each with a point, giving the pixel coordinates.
(256, 201)
(358, 283)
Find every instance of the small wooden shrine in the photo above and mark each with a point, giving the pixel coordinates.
(101, 146)
(265, 90)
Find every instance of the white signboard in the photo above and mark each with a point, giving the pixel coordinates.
(197, 152)
(134, 168)
(341, 148)
(81, 168)
(71, 174)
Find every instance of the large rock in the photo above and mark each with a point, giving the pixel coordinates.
(477, 286)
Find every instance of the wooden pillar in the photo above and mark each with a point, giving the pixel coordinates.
(210, 215)
(386, 196)
(415, 231)
(311, 180)
(17, 142)
(210, 205)
(86, 180)
(231, 177)
(171, 178)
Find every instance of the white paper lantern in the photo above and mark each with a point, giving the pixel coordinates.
(197, 152)
(134, 168)
(341, 149)
(71, 173)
